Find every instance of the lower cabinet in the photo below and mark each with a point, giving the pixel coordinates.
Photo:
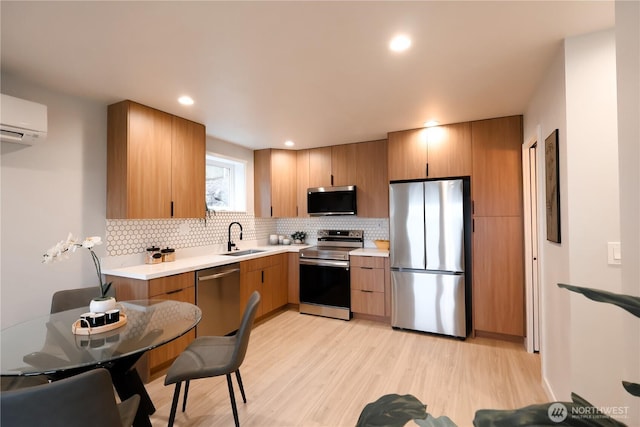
(369, 284)
(293, 277)
(179, 287)
(267, 275)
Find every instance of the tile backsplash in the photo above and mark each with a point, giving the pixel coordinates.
(133, 236)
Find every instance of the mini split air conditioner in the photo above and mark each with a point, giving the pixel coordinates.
(22, 121)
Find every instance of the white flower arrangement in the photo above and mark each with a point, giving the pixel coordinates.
(61, 251)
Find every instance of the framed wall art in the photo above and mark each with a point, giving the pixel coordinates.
(552, 170)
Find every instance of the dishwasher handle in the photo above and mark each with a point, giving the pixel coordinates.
(219, 275)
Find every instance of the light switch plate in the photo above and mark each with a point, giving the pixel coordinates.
(614, 253)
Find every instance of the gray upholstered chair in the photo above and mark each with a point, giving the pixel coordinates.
(86, 399)
(213, 356)
(68, 299)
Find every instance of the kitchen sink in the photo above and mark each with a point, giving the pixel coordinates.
(245, 252)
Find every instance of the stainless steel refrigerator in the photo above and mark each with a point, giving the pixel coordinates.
(429, 237)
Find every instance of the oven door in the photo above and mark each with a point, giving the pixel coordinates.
(325, 283)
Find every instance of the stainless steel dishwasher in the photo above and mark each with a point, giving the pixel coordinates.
(218, 296)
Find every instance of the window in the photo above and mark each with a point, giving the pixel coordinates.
(225, 184)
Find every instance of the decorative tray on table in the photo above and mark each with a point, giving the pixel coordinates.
(78, 330)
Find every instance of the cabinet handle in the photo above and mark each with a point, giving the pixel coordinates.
(427, 168)
(331, 179)
(369, 292)
(271, 213)
(473, 225)
(367, 268)
(174, 292)
(473, 207)
(172, 209)
(262, 274)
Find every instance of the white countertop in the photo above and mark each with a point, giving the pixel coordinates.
(370, 252)
(192, 263)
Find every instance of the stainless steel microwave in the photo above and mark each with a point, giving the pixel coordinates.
(323, 201)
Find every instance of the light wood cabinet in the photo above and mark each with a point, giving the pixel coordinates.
(332, 166)
(155, 164)
(372, 182)
(293, 277)
(320, 167)
(266, 275)
(178, 287)
(437, 152)
(343, 164)
(368, 285)
(498, 248)
(275, 183)
(498, 278)
(302, 182)
(497, 167)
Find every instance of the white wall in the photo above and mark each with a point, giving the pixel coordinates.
(628, 70)
(585, 345)
(594, 215)
(47, 191)
(545, 113)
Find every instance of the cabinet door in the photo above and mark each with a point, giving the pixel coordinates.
(343, 164)
(293, 278)
(283, 183)
(407, 154)
(162, 356)
(449, 150)
(251, 281)
(497, 166)
(498, 280)
(262, 183)
(148, 186)
(372, 181)
(302, 181)
(320, 167)
(188, 168)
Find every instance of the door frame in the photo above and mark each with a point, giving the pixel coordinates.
(530, 181)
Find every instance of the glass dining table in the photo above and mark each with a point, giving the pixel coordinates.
(47, 345)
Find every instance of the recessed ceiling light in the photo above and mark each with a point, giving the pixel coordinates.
(185, 100)
(289, 143)
(431, 123)
(400, 43)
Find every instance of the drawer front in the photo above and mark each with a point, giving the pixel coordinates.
(367, 261)
(259, 263)
(365, 302)
(162, 285)
(367, 279)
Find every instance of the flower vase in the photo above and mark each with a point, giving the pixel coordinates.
(102, 304)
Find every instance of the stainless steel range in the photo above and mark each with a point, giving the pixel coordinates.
(325, 284)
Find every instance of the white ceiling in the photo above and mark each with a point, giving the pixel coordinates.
(319, 73)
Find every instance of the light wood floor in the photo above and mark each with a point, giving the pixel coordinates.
(303, 370)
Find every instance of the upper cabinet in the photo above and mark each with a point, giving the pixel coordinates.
(155, 164)
(302, 182)
(372, 182)
(332, 166)
(437, 152)
(497, 166)
(320, 167)
(275, 183)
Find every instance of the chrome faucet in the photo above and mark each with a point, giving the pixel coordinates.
(230, 244)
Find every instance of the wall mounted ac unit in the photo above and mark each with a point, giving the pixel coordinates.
(22, 121)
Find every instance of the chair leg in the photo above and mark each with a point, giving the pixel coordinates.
(244, 398)
(186, 391)
(174, 404)
(233, 400)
